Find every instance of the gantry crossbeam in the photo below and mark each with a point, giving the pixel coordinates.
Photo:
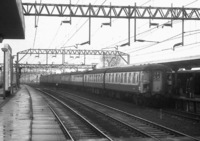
(72, 52)
(103, 11)
(46, 66)
(124, 56)
(60, 66)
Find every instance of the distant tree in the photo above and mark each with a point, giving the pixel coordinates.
(111, 60)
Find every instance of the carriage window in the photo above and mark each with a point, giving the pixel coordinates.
(125, 77)
(129, 77)
(119, 78)
(135, 78)
(122, 77)
(113, 77)
(116, 77)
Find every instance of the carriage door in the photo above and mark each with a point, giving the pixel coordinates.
(157, 81)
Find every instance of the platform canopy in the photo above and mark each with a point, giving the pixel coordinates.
(12, 24)
(185, 62)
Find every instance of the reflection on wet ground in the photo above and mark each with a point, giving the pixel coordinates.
(15, 118)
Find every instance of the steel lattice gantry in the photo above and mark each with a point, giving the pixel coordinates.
(109, 11)
(124, 56)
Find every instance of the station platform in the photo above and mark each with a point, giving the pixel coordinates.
(26, 116)
(188, 104)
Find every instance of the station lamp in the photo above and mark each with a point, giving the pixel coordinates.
(4, 71)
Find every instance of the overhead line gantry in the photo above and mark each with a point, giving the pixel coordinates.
(63, 52)
(110, 11)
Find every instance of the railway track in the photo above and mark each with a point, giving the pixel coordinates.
(184, 115)
(74, 125)
(112, 128)
(153, 130)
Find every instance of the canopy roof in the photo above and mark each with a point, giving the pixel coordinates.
(12, 24)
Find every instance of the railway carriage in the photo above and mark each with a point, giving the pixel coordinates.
(65, 79)
(184, 86)
(76, 79)
(144, 80)
(94, 80)
(137, 83)
(57, 78)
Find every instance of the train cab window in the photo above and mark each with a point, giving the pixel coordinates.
(145, 77)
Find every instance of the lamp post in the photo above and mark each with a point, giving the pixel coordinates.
(4, 72)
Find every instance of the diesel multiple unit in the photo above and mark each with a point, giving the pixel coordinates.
(132, 82)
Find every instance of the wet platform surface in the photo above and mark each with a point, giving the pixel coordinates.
(27, 117)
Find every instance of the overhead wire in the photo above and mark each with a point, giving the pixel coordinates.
(171, 38)
(37, 21)
(183, 49)
(110, 46)
(80, 27)
(147, 30)
(57, 31)
(35, 35)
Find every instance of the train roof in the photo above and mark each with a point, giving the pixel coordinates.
(139, 68)
(189, 71)
(97, 71)
(78, 72)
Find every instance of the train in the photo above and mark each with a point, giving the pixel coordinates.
(135, 83)
(188, 81)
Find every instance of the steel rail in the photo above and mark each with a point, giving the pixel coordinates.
(120, 121)
(92, 125)
(153, 123)
(62, 124)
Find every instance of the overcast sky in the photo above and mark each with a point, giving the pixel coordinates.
(51, 34)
